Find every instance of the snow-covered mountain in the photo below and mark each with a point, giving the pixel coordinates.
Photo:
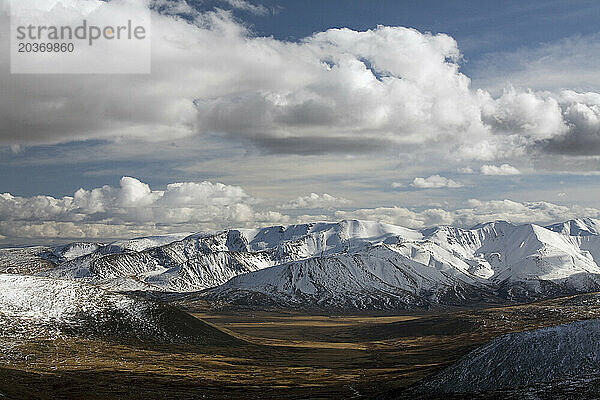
(494, 262)
(377, 277)
(519, 360)
(577, 227)
(203, 260)
(355, 264)
(39, 258)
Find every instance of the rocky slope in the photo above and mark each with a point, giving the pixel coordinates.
(552, 356)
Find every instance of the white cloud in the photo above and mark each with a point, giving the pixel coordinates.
(314, 201)
(512, 211)
(135, 209)
(390, 215)
(465, 170)
(434, 182)
(134, 201)
(533, 115)
(504, 169)
(15, 231)
(477, 212)
(399, 216)
(335, 91)
(247, 6)
(338, 89)
(131, 208)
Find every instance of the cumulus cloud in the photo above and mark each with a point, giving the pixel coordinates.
(534, 115)
(435, 182)
(512, 211)
(314, 201)
(340, 90)
(477, 212)
(133, 207)
(504, 169)
(582, 115)
(335, 91)
(16, 231)
(345, 91)
(399, 216)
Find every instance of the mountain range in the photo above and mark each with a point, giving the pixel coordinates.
(349, 264)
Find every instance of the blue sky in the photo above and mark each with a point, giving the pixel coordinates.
(479, 27)
(406, 126)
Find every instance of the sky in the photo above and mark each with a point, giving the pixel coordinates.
(416, 113)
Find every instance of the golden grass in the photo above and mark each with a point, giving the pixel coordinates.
(283, 355)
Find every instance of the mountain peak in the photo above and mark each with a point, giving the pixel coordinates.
(577, 227)
(499, 222)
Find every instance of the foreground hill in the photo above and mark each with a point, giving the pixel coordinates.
(44, 308)
(559, 356)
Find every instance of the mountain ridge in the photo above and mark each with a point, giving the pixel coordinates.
(351, 263)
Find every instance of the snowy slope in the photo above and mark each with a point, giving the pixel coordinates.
(349, 263)
(36, 307)
(529, 261)
(577, 227)
(26, 260)
(207, 260)
(379, 277)
(446, 265)
(523, 359)
(49, 303)
(143, 243)
(325, 237)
